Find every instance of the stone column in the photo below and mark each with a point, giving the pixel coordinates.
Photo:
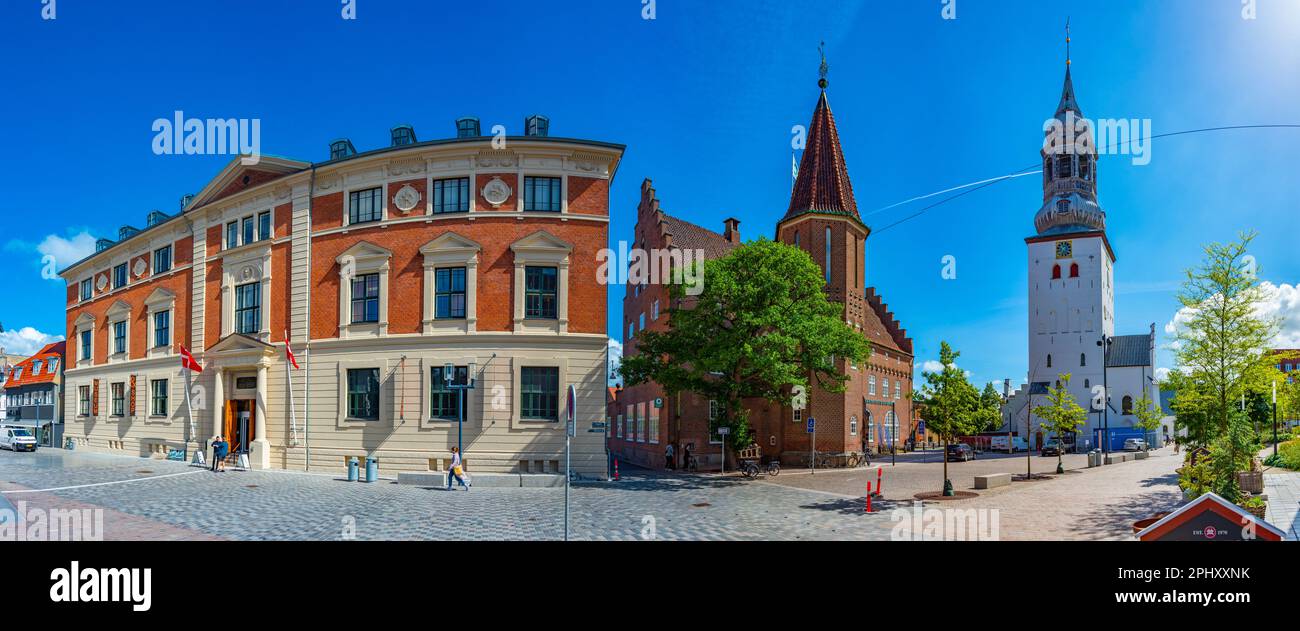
(218, 408)
(259, 455)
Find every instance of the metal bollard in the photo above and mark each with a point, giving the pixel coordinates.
(372, 469)
(352, 469)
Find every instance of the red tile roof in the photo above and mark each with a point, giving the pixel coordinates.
(823, 184)
(51, 351)
(688, 236)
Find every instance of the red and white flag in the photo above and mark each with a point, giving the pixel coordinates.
(288, 351)
(187, 361)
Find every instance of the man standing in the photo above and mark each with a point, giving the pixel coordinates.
(220, 449)
(668, 456)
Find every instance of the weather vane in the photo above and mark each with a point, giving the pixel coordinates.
(1067, 41)
(822, 83)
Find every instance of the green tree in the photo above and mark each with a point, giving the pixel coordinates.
(760, 326)
(1148, 413)
(950, 403)
(1061, 415)
(988, 416)
(1222, 343)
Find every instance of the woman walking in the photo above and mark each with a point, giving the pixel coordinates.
(456, 470)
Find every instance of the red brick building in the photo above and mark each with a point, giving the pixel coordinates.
(822, 218)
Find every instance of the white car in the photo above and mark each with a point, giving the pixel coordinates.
(1135, 444)
(17, 439)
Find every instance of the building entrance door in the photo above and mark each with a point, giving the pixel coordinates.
(241, 425)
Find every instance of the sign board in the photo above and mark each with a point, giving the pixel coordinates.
(659, 403)
(920, 427)
(1210, 518)
(573, 411)
(723, 431)
(812, 425)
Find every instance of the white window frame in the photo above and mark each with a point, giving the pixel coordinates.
(160, 300)
(119, 313)
(450, 250)
(84, 322)
(366, 258)
(542, 249)
(251, 266)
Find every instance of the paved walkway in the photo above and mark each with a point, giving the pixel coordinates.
(1283, 490)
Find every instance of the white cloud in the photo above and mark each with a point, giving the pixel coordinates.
(67, 251)
(1280, 301)
(25, 341)
(615, 360)
(933, 365)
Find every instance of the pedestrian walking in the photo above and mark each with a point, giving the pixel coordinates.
(668, 457)
(456, 471)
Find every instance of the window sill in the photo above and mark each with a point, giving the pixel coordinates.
(353, 419)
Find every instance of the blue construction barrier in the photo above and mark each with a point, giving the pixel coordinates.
(1117, 436)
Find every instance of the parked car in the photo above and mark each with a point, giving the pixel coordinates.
(17, 439)
(960, 451)
(1008, 444)
(1135, 444)
(1052, 448)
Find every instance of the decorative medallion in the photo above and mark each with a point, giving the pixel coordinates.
(102, 282)
(247, 273)
(496, 192)
(139, 268)
(407, 199)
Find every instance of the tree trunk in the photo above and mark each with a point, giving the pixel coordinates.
(945, 460)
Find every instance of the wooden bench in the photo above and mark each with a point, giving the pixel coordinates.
(993, 480)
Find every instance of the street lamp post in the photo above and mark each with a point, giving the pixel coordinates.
(449, 376)
(1104, 342)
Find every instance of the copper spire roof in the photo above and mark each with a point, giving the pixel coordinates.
(823, 184)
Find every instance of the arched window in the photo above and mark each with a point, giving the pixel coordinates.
(1056, 272)
(1086, 384)
(1049, 361)
(1128, 404)
(1074, 270)
(1083, 359)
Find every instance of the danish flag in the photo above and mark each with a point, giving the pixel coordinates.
(289, 351)
(187, 361)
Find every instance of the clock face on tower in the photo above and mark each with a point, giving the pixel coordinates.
(1064, 249)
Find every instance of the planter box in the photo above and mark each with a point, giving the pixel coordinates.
(1251, 481)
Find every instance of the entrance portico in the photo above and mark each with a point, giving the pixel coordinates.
(240, 366)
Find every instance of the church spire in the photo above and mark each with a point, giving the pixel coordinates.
(1069, 167)
(822, 184)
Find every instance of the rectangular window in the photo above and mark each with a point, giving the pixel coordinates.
(539, 390)
(540, 292)
(248, 309)
(641, 433)
(119, 276)
(853, 426)
(83, 400)
(365, 298)
(641, 321)
(449, 298)
(797, 416)
(232, 235)
(365, 206)
(119, 399)
(119, 337)
(54, 366)
(654, 311)
(619, 427)
(162, 329)
(871, 385)
(363, 394)
(542, 193)
(249, 235)
(87, 290)
(85, 344)
(898, 389)
(36, 367)
(264, 226)
(158, 397)
(451, 196)
(654, 424)
(162, 260)
(446, 400)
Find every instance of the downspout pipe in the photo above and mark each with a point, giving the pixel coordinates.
(306, 404)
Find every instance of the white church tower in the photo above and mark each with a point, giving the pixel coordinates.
(1071, 269)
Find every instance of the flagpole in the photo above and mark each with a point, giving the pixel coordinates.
(189, 411)
(288, 373)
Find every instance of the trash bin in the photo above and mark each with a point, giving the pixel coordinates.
(69, 444)
(1094, 458)
(372, 469)
(352, 469)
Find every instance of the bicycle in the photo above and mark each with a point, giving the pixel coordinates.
(692, 465)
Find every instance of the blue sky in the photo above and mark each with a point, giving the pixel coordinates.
(704, 96)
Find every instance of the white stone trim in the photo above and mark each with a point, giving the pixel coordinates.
(385, 395)
(517, 364)
(542, 248)
(451, 250)
(364, 258)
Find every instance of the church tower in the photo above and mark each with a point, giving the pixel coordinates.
(822, 220)
(1071, 263)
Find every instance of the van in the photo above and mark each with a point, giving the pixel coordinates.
(17, 439)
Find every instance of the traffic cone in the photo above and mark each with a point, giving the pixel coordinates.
(868, 497)
(616, 469)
